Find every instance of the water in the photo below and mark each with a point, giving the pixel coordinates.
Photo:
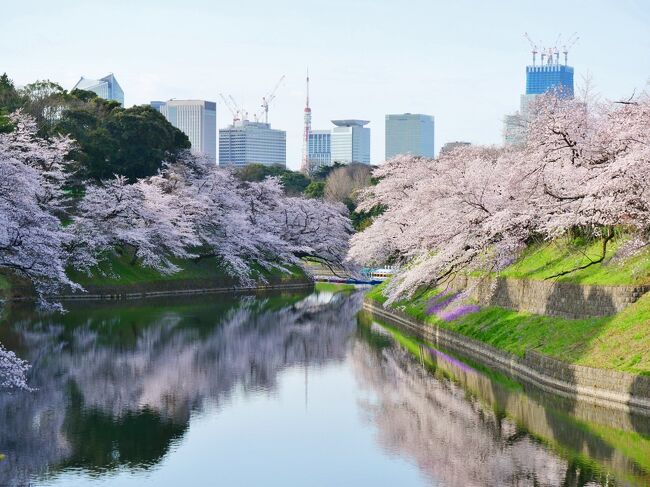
(284, 389)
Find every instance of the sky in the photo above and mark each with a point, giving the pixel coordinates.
(461, 61)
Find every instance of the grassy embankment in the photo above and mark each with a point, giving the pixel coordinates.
(620, 342)
(117, 274)
(333, 287)
(4, 286)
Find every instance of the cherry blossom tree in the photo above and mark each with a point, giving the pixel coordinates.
(583, 168)
(193, 209)
(13, 371)
(139, 219)
(32, 241)
(242, 222)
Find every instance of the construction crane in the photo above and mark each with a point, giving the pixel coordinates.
(266, 100)
(534, 47)
(231, 107)
(571, 41)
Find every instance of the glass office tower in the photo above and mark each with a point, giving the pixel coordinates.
(197, 119)
(540, 79)
(320, 149)
(409, 133)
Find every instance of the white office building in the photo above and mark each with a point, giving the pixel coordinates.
(409, 133)
(106, 87)
(320, 149)
(350, 141)
(246, 142)
(197, 119)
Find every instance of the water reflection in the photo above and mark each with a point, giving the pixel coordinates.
(492, 431)
(119, 387)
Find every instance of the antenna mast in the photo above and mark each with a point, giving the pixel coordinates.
(305, 164)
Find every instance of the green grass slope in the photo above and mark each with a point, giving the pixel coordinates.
(620, 342)
(118, 272)
(541, 261)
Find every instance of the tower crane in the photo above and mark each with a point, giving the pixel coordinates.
(231, 107)
(534, 47)
(266, 100)
(571, 41)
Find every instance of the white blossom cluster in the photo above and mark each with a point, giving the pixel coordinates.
(584, 166)
(191, 209)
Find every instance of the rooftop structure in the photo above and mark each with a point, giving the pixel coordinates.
(106, 87)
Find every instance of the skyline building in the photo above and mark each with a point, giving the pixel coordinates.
(320, 149)
(106, 87)
(244, 142)
(450, 146)
(409, 133)
(195, 118)
(540, 79)
(350, 141)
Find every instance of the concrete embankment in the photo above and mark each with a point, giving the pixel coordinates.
(606, 388)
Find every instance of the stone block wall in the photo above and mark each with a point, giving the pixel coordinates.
(549, 297)
(601, 387)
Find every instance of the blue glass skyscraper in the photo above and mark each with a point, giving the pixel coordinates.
(547, 77)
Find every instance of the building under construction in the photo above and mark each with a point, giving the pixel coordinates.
(252, 142)
(549, 75)
(245, 142)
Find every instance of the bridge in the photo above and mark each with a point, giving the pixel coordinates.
(338, 274)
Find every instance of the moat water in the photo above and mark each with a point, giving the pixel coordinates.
(288, 390)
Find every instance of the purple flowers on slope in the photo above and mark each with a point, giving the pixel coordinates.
(449, 307)
(459, 312)
(441, 301)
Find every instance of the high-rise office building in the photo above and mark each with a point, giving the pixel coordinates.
(540, 79)
(246, 142)
(197, 119)
(320, 149)
(450, 146)
(350, 141)
(558, 77)
(106, 87)
(409, 133)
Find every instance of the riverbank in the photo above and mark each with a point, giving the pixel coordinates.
(118, 278)
(583, 333)
(613, 438)
(620, 342)
(602, 387)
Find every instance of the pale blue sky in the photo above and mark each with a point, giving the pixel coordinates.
(461, 61)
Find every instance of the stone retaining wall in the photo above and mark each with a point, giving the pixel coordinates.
(549, 297)
(607, 388)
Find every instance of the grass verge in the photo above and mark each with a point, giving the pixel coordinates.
(118, 271)
(333, 287)
(541, 261)
(620, 342)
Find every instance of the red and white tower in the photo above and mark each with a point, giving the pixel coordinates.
(305, 166)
